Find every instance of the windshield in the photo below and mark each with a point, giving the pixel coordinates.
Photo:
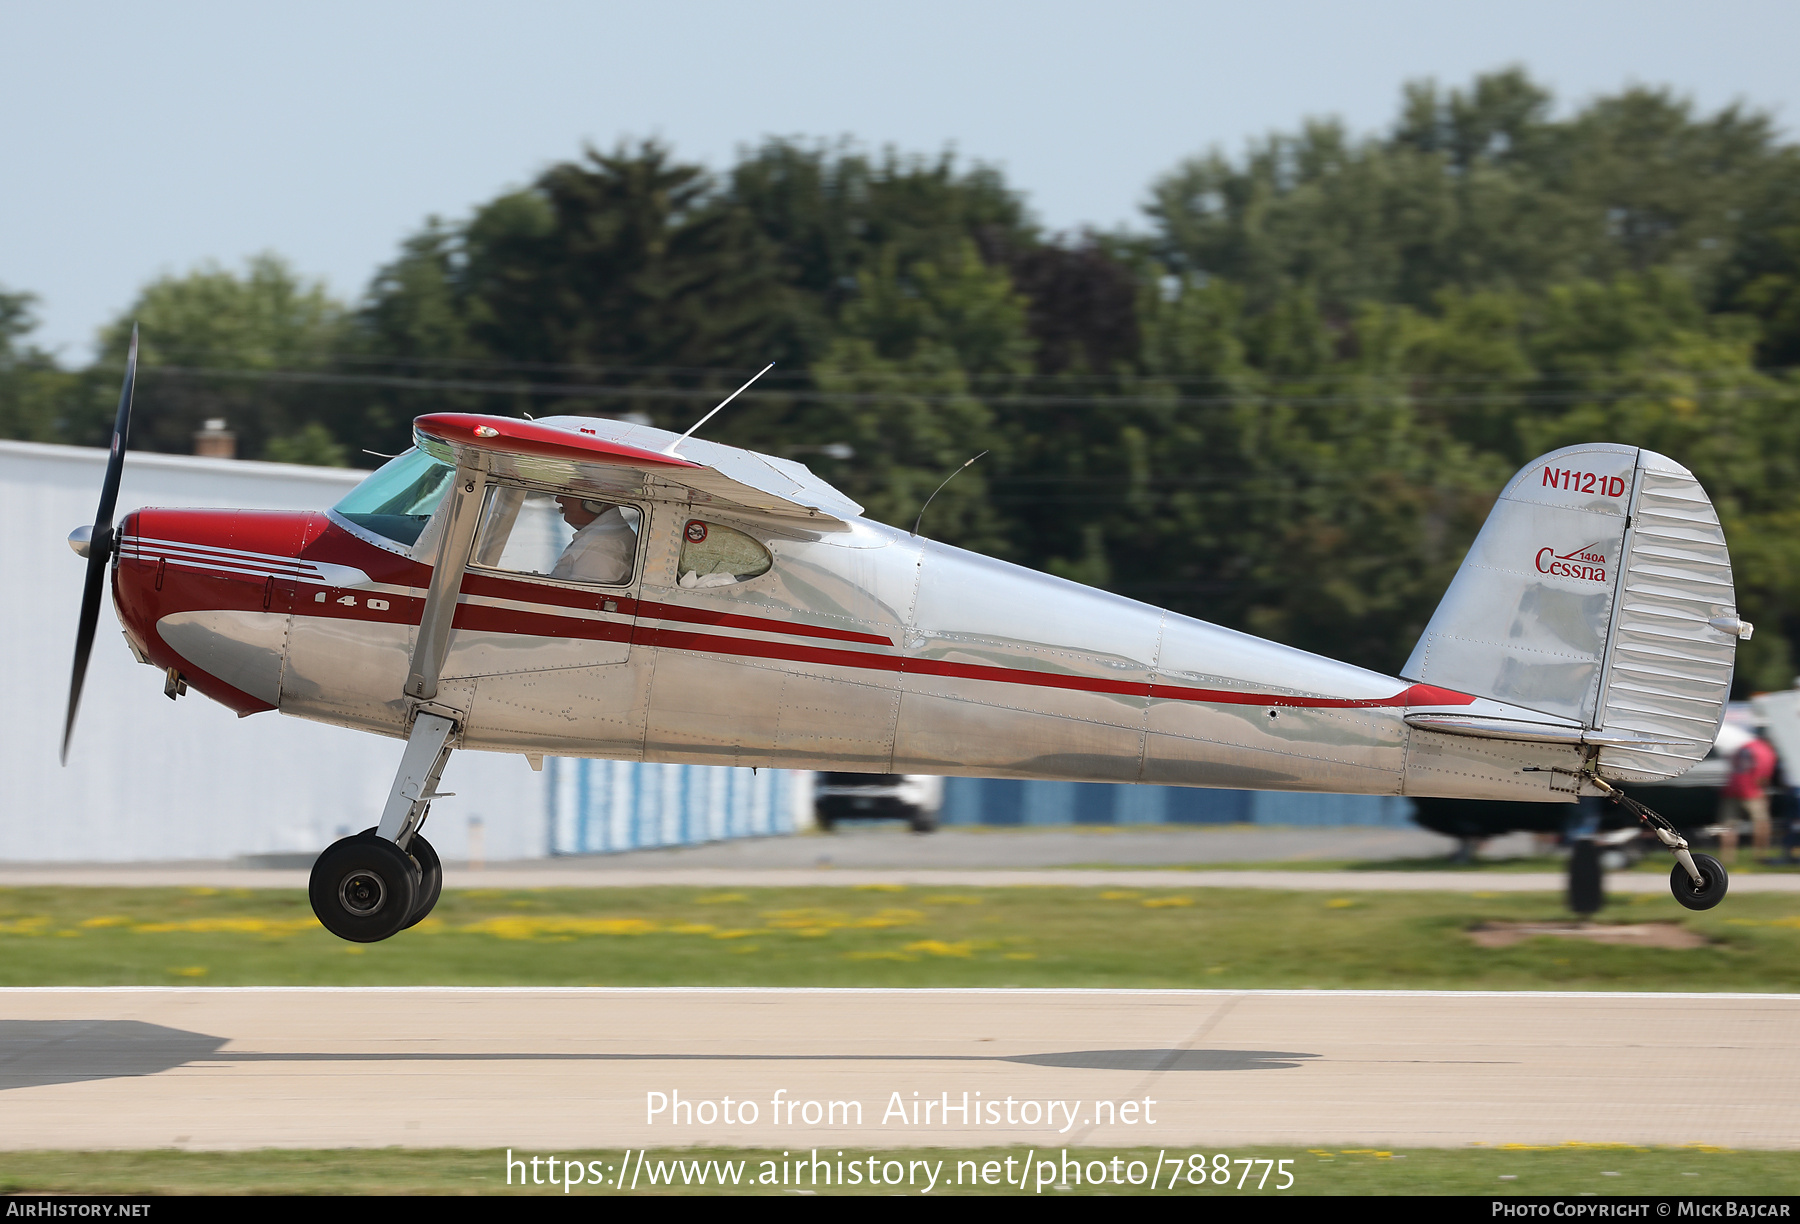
(397, 501)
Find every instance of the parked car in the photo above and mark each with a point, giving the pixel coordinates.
(914, 798)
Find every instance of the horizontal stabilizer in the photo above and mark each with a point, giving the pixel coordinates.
(1535, 733)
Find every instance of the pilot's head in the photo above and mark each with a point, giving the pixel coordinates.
(578, 512)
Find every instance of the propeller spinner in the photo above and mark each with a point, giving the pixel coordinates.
(96, 543)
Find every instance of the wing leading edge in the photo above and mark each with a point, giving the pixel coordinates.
(620, 456)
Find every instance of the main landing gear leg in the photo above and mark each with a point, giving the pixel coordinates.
(1698, 881)
(383, 880)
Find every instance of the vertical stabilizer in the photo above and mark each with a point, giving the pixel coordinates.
(1600, 591)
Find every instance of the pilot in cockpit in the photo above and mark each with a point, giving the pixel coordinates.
(604, 547)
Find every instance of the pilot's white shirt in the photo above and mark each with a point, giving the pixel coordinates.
(603, 551)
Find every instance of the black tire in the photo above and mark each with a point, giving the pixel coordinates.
(922, 821)
(364, 888)
(825, 821)
(1717, 881)
(431, 879)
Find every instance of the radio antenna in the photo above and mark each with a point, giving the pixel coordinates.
(940, 489)
(670, 448)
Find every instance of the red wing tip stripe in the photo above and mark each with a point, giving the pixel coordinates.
(507, 434)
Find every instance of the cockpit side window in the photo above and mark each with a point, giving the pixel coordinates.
(713, 555)
(561, 536)
(398, 499)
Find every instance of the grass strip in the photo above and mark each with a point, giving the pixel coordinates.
(1569, 1169)
(889, 935)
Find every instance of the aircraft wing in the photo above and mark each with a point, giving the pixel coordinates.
(621, 457)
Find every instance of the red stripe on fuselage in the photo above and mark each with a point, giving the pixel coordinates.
(734, 620)
(706, 643)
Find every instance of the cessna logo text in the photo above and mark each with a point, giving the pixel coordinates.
(1583, 563)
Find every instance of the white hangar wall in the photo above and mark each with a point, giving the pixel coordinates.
(151, 779)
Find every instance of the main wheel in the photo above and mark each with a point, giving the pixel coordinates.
(364, 888)
(431, 879)
(1707, 895)
(428, 876)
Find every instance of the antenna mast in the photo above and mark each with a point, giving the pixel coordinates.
(670, 448)
(940, 489)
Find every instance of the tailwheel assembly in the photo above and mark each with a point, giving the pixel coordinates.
(1703, 895)
(1698, 881)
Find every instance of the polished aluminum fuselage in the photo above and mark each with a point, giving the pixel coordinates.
(862, 648)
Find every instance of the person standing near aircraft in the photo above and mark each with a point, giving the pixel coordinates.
(1747, 795)
(604, 546)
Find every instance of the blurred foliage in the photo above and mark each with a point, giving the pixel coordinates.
(215, 344)
(1286, 406)
(34, 392)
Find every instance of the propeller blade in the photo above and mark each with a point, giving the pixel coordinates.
(100, 545)
(84, 639)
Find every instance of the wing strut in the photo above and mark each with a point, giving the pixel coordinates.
(446, 583)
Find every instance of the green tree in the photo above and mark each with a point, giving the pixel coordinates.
(1762, 277)
(245, 348)
(627, 259)
(831, 212)
(35, 394)
(1638, 361)
(898, 378)
(1471, 190)
(624, 282)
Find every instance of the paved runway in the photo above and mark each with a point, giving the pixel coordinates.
(554, 1070)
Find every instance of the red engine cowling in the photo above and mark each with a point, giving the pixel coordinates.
(208, 592)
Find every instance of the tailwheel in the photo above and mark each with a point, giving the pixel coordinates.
(364, 888)
(1709, 892)
(431, 879)
(1697, 880)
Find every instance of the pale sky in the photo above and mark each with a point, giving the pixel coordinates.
(140, 140)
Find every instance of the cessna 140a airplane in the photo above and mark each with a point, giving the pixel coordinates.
(736, 610)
